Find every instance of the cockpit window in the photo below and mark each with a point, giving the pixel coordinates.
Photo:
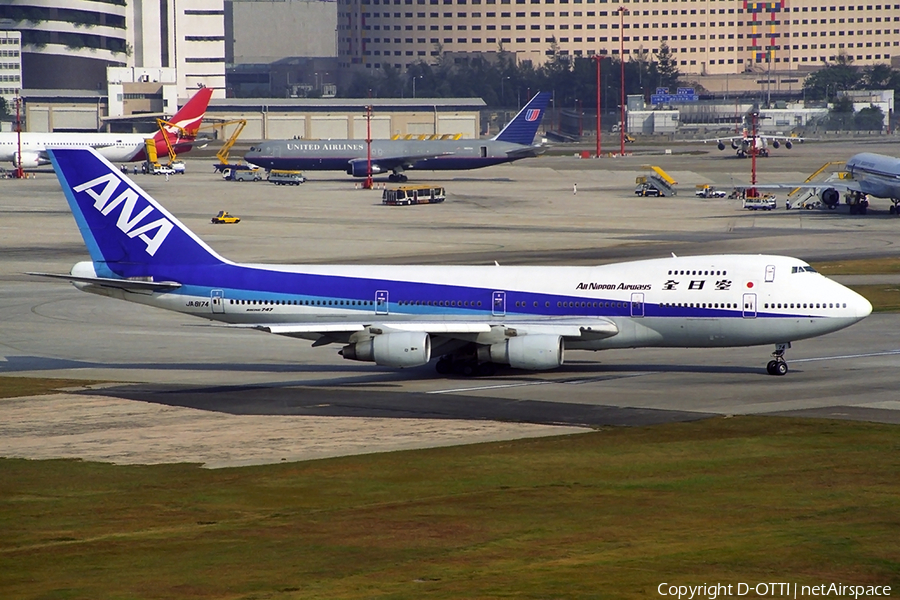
(806, 269)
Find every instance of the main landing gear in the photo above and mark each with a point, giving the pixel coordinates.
(467, 367)
(778, 366)
(397, 177)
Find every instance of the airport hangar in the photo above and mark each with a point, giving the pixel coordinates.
(345, 118)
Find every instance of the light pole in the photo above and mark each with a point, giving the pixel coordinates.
(502, 79)
(414, 84)
(622, 11)
(368, 183)
(599, 135)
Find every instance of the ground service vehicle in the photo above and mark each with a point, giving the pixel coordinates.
(223, 217)
(245, 174)
(282, 177)
(766, 202)
(647, 189)
(413, 194)
(708, 191)
(162, 170)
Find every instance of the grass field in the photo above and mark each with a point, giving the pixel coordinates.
(859, 266)
(11, 387)
(609, 514)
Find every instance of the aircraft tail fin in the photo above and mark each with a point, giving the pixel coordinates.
(522, 129)
(189, 117)
(127, 233)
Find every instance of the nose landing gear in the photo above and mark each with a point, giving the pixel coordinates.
(778, 366)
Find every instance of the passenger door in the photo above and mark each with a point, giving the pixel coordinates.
(381, 302)
(637, 304)
(498, 304)
(217, 301)
(749, 310)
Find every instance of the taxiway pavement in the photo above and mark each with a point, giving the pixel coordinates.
(182, 390)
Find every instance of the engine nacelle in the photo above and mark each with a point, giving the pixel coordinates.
(720, 146)
(30, 160)
(830, 197)
(788, 144)
(776, 144)
(402, 349)
(359, 168)
(531, 352)
(735, 144)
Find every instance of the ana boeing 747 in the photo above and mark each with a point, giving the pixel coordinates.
(513, 143)
(117, 147)
(470, 318)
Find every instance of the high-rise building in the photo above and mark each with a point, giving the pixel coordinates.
(187, 35)
(10, 65)
(68, 44)
(706, 36)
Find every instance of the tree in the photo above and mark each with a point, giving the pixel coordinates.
(825, 83)
(4, 107)
(869, 119)
(666, 67)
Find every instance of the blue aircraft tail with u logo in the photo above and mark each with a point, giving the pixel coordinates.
(128, 234)
(523, 128)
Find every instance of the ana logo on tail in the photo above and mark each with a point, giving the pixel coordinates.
(129, 223)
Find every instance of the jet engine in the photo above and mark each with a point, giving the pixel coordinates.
(720, 146)
(402, 349)
(735, 144)
(30, 160)
(359, 168)
(531, 352)
(830, 197)
(788, 144)
(776, 144)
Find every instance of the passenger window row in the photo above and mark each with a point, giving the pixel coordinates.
(464, 303)
(699, 304)
(303, 302)
(689, 272)
(778, 305)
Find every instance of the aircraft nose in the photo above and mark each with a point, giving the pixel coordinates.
(861, 307)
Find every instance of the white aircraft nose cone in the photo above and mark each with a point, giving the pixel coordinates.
(863, 307)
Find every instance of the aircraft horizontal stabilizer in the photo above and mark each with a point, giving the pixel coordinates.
(129, 285)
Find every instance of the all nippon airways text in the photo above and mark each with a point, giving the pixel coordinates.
(771, 590)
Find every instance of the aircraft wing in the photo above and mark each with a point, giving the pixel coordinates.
(727, 138)
(487, 332)
(843, 185)
(129, 285)
(389, 163)
(526, 152)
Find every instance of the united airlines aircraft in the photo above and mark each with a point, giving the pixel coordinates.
(470, 318)
(117, 147)
(396, 156)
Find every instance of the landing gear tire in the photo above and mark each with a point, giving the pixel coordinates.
(778, 366)
(444, 366)
(892, 209)
(487, 369)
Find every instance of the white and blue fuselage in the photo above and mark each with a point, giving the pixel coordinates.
(471, 316)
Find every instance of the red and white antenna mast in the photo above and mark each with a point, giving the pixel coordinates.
(20, 172)
(368, 184)
(752, 192)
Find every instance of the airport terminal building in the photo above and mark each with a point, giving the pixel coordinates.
(708, 37)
